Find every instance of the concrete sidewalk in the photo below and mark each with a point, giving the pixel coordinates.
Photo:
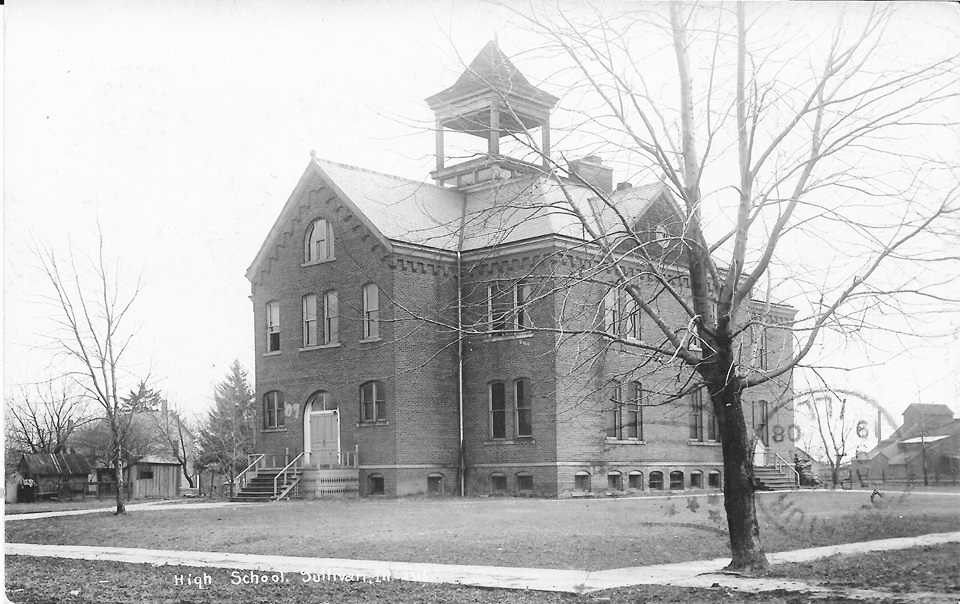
(166, 505)
(703, 573)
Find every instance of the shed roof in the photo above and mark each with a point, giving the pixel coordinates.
(55, 464)
(157, 460)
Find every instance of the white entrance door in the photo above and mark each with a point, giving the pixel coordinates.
(324, 438)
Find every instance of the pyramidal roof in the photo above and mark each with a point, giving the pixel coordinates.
(491, 69)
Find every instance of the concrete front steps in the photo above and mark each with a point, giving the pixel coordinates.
(260, 487)
(768, 478)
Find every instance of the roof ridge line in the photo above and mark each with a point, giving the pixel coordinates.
(394, 176)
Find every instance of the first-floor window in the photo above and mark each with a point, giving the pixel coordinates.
(331, 318)
(273, 409)
(498, 410)
(524, 408)
(144, 474)
(703, 421)
(624, 418)
(760, 421)
(310, 320)
(372, 402)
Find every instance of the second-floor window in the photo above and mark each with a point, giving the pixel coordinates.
(310, 320)
(273, 326)
(371, 311)
(331, 318)
(318, 241)
(507, 306)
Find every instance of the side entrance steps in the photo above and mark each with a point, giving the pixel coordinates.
(260, 487)
(769, 478)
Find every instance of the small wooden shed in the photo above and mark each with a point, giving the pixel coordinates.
(55, 474)
(154, 477)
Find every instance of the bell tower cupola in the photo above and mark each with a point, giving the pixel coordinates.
(490, 100)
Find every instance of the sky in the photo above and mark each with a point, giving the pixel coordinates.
(181, 128)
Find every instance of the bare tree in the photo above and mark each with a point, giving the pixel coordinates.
(92, 313)
(177, 438)
(42, 420)
(806, 208)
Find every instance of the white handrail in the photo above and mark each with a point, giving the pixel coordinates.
(783, 462)
(283, 472)
(241, 477)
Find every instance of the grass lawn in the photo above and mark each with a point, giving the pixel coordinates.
(927, 568)
(581, 534)
(10, 509)
(28, 581)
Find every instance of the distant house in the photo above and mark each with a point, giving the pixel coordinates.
(925, 448)
(154, 477)
(54, 474)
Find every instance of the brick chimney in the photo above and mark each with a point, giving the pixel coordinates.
(591, 170)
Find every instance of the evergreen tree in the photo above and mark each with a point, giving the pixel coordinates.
(227, 434)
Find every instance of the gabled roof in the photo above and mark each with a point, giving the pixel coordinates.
(928, 409)
(400, 210)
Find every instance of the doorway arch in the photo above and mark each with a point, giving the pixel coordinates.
(321, 429)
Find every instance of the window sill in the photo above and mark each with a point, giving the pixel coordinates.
(271, 430)
(625, 441)
(369, 340)
(703, 443)
(519, 441)
(319, 347)
(379, 422)
(511, 335)
(316, 262)
(272, 353)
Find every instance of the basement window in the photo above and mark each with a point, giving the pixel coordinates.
(696, 480)
(676, 480)
(614, 481)
(524, 482)
(581, 481)
(656, 481)
(435, 484)
(498, 483)
(375, 484)
(635, 480)
(713, 479)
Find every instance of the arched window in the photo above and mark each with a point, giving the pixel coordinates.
(614, 481)
(523, 420)
(524, 482)
(581, 481)
(372, 402)
(636, 480)
(321, 401)
(318, 241)
(498, 483)
(310, 320)
(676, 480)
(713, 479)
(375, 484)
(273, 409)
(656, 481)
(498, 410)
(696, 479)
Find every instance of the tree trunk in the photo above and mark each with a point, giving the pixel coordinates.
(738, 490)
(118, 469)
